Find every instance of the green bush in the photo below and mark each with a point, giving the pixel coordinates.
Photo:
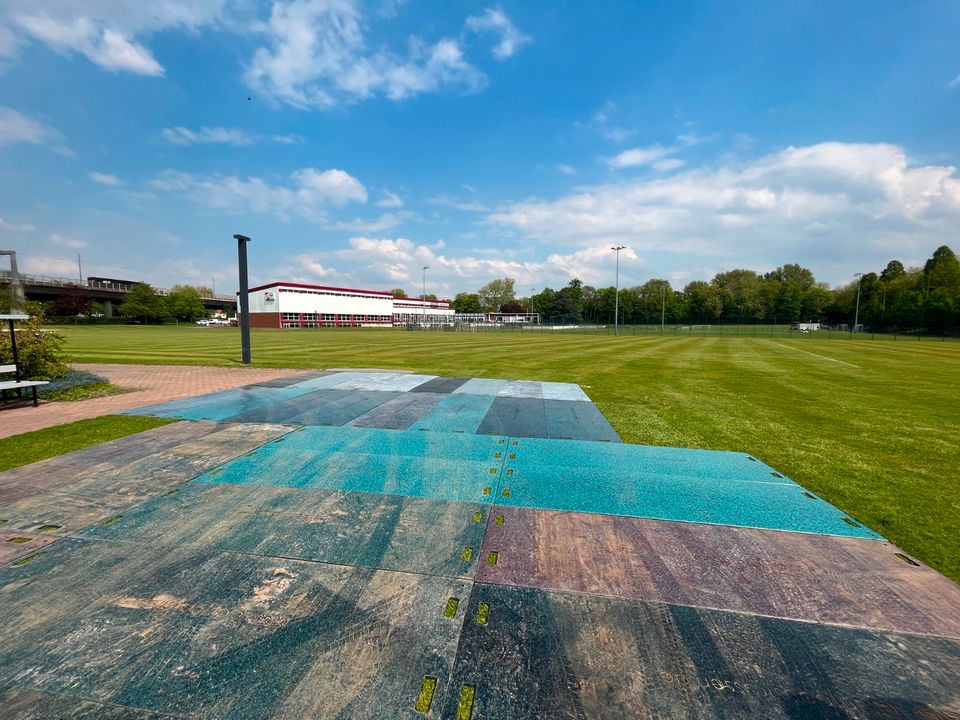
(38, 350)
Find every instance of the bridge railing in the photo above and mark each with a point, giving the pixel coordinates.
(50, 281)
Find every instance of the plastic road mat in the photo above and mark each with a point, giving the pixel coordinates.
(347, 544)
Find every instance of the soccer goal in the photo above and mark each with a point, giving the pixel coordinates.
(695, 328)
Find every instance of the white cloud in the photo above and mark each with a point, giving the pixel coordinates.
(955, 83)
(668, 164)
(106, 179)
(48, 265)
(636, 157)
(315, 267)
(67, 242)
(379, 262)
(386, 221)
(317, 57)
(859, 196)
(689, 139)
(456, 203)
(16, 128)
(103, 46)
(565, 169)
(206, 135)
(15, 227)
(603, 125)
(308, 195)
(106, 31)
(288, 139)
(390, 200)
(8, 43)
(496, 21)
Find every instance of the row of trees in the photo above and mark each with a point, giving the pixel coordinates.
(897, 297)
(143, 303)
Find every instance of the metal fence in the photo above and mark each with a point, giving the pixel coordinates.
(719, 331)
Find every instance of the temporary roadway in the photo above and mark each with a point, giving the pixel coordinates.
(389, 545)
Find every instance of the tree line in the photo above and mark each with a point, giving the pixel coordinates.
(896, 297)
(142, 303)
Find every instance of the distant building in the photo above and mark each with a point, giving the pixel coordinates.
(293, 305)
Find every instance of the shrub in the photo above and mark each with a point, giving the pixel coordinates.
(38, 350)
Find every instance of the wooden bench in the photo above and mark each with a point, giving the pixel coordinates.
(18, 384)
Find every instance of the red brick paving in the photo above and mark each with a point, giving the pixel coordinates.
(154, 383)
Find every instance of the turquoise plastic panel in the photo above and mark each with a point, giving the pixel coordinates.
(439, 478)
(705, 500)
(375, 441)
(642, 459)
(576, 420)
(456, 414)
(226, 403)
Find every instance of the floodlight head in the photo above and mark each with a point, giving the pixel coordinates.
(244, 238)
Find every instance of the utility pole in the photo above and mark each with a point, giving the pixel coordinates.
(883, 308)
(242, 241)
(663, 306)
(79, 269)
(856, 314)
(423, 296)
(616, 297)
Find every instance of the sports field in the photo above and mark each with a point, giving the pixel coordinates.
(871, 426)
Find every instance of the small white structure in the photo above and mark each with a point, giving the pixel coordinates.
(807, 327)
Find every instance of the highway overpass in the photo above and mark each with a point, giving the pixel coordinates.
(109, 293)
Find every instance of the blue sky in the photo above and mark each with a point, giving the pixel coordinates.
(358, 141)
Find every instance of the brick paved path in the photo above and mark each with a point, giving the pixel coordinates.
(154, 383)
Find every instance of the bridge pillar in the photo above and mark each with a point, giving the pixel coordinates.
(108, 308)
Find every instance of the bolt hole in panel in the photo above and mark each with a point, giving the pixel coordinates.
(568, 655)
(800, 576)
(14, 545)
(200, 634)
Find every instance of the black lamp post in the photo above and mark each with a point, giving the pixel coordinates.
(242, 241)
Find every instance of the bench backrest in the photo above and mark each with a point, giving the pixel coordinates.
(8, 368)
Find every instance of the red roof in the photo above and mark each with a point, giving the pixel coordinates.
(319, 287)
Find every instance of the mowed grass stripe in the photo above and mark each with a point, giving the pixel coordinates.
(880, 441)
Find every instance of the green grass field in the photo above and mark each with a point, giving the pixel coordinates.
(872, 426)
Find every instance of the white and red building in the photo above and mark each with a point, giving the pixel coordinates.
(294, 305)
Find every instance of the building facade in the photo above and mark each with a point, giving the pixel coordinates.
(294, 305)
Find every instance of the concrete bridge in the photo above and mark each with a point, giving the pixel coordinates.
(107, 292)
